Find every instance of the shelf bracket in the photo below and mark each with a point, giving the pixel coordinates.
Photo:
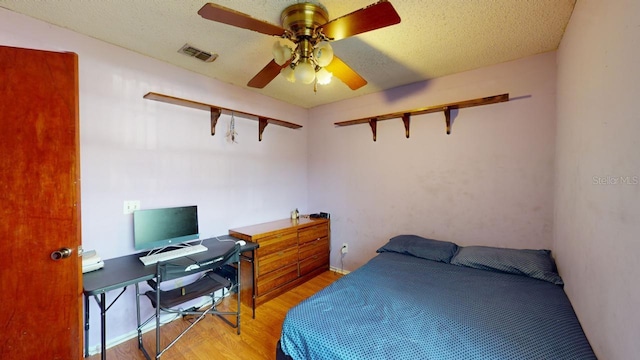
(262, 123)
(406, 119)
(215, 115)
(373, 122)
(447, 118)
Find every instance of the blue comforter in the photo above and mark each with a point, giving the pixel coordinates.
(402, 307)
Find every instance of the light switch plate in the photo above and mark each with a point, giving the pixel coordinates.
(130, 206)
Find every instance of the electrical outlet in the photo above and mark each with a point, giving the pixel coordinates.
(345, 248)
(130, 206)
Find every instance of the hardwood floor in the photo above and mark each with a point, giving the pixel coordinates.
(213, 338)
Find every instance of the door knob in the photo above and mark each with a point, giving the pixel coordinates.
(61, 254)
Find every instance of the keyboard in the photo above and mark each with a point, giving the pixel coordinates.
(172, 254)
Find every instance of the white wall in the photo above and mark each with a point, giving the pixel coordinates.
(164, 155)
(597, 227)
(489, 183)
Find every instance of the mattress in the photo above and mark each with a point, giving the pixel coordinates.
(404, 307)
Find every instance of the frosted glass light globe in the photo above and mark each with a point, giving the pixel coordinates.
(305, 72)
(323, 76)
(288, 74)
(323, 53)
(281, 53)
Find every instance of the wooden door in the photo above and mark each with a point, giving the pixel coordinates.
(40, 298)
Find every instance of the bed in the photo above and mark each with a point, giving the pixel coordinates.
(427, 299)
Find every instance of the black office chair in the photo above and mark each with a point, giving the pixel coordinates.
(208, 284)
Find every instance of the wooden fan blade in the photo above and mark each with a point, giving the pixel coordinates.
(228, 16)
(343, 72)
(268, 73)
(372, 17)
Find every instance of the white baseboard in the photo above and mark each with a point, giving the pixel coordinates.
(339, 271)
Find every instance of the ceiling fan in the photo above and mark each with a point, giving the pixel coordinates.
(307, 26)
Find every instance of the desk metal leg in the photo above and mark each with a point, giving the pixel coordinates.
(102, 303)
(86, 326)
(238, 301)
(103, 326)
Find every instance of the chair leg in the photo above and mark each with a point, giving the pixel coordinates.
(218, 284)
(197, 320)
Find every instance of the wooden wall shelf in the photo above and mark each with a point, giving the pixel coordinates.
(406, 115)
(216, 111)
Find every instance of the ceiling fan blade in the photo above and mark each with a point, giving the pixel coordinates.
(372, 17)
(228, 16)
(343, 72)
(268, 73)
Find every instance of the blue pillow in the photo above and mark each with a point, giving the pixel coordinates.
(537, 264)
(418, 246)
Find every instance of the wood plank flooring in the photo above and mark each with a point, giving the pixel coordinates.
(213, 338)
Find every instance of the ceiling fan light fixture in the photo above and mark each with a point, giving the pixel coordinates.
(281, 53)
(305, 71)
(323, 53)
(323, 76)
(288, 73)
(308, 27)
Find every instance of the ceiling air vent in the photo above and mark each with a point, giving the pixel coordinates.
(197, 53)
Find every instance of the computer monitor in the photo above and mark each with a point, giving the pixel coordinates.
(157, 228)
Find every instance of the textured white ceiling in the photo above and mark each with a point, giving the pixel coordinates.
(434, 38)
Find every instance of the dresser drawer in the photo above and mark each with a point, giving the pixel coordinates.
(276, 243)
(271, 262)
(313, 233)
(277, 278)
(314, 262)
(316, 247)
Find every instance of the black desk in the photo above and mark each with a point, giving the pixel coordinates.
(118, 273)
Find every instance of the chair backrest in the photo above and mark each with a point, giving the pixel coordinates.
(181, 267)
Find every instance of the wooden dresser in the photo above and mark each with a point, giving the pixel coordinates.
(290, 253)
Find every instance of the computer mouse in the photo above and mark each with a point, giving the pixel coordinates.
(192, 267)
(241, 242)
